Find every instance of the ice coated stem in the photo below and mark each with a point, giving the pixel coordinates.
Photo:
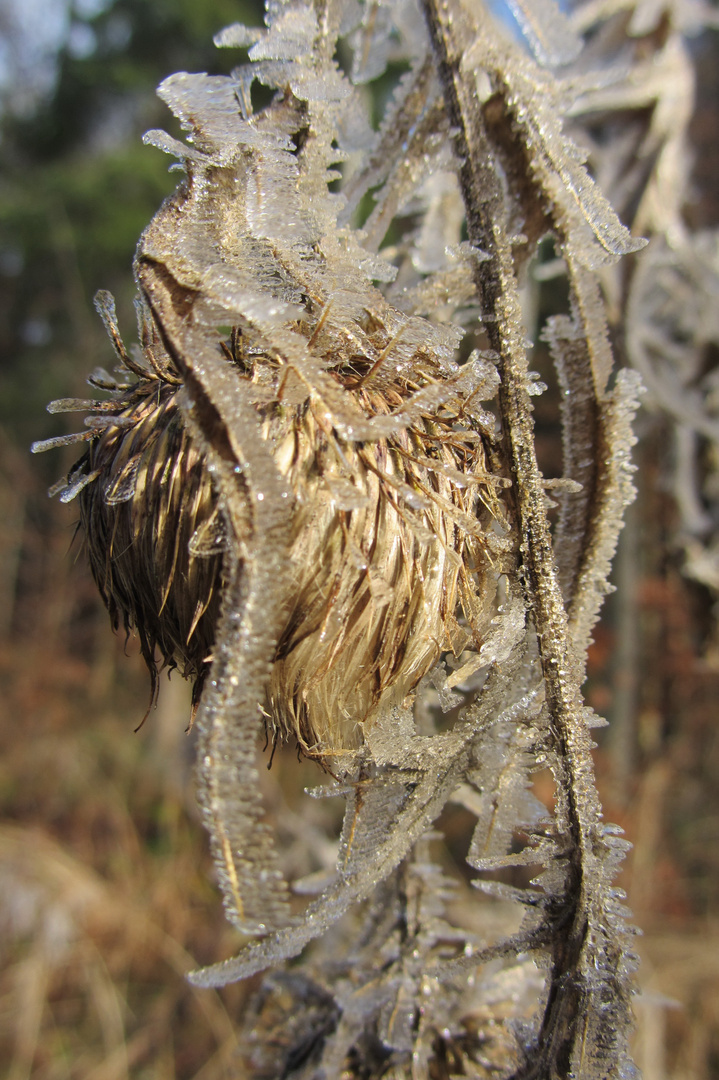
(571, 1008)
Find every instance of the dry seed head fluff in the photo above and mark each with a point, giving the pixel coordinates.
(393, 536)
(389, 558)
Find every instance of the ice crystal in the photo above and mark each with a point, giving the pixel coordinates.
(343, 528)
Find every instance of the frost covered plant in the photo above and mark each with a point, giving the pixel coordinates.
(633, 113)
(314, 488)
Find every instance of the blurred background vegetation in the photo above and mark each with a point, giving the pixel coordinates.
(106, 891)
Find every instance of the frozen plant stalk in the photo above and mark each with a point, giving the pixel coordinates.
(315, 516)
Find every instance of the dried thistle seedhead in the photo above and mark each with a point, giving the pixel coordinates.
(392, 541)
(394, 519)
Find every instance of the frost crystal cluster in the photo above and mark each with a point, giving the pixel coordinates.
(314, 488)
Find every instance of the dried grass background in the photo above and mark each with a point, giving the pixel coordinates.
(106, 883)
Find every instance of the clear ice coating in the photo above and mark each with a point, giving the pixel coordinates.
(367, 473)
